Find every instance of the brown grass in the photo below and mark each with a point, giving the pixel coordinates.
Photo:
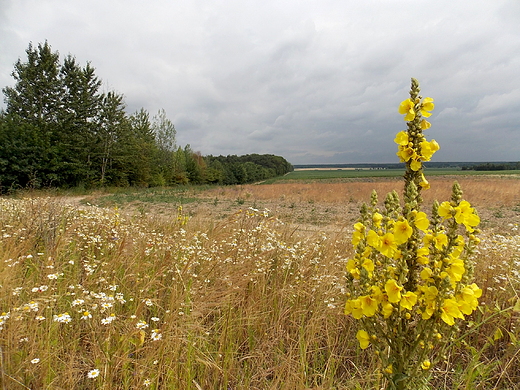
(480, 191)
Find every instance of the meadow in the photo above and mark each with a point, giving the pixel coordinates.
(239, 287)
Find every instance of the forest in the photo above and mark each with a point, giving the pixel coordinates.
(60, 129)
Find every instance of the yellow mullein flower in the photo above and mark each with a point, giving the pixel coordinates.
(388, 245)
(402, 232)
(422, 254)
(440, 241)
(387, 309)
(369, 266)
(393, 291)
(408, 300)
(368, 305)
(352, 268)
(424, 183)
(401, 138)
(456, 270)
(406, 108)
(357, 236)
(353, 306)
(415, 165)
(373, 239)
(425, 125)
(428, 149)
(426, 273)
(363, 338)
(446, 210)
(377, 218)
(377, 294)
(406, 153)
(465, 214)
(467, 300)
(450, 310)
(427, 105)
(358, 226)
(421, 221)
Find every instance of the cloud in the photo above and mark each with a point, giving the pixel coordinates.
(314, 82)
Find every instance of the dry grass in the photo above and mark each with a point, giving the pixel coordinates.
(231, 300)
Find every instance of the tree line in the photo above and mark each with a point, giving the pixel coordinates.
(505, 166)
(59, 129)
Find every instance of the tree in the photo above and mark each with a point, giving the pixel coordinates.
(142, 149)
(81, 104)
(111, 136)
(32, 110)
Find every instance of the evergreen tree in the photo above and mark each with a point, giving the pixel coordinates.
(33, 105)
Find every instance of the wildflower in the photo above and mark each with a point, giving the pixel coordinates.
(141, 325)
(109, 319)
(424, 183)
(147, 382)
(446, 210)
(393, 291)
(368, 265)
(353, 306)
(373, 239)
(35, 361)
(425, 365)
(408, 300)
(407, 108)
(405, 153)
(387, 309)
(450, 310)
(368, 305)
(388, 245)
(440, 241)
(421, 221)
(39, 318)
(156, 335)
(63, 318)
(86, 315)
(465, 214)
(93, 373)
(401, 138)
(363, 338)
(427, 105)
(402, 232)
(425, 125)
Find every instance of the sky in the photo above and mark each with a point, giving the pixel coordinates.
(317, 82)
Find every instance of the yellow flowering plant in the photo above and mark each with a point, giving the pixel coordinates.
(409, 282)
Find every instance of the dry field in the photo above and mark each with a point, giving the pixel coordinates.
(224, 294)
(323, 205)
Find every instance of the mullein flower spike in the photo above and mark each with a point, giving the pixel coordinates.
(410, 278)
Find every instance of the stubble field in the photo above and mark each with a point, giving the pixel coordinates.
(241, 288)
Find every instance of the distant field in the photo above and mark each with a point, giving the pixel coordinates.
(327, 174)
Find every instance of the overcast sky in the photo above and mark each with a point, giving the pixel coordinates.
(313, 81)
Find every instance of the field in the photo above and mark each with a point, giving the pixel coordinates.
(240, 287)
(349, 173)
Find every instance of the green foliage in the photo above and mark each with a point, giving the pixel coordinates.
(59, 130)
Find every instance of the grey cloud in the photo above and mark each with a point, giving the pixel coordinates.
(314, 82)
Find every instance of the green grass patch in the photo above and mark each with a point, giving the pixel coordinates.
(171, 195)
(334, 174)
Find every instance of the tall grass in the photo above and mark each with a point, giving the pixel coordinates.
(92, 298)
